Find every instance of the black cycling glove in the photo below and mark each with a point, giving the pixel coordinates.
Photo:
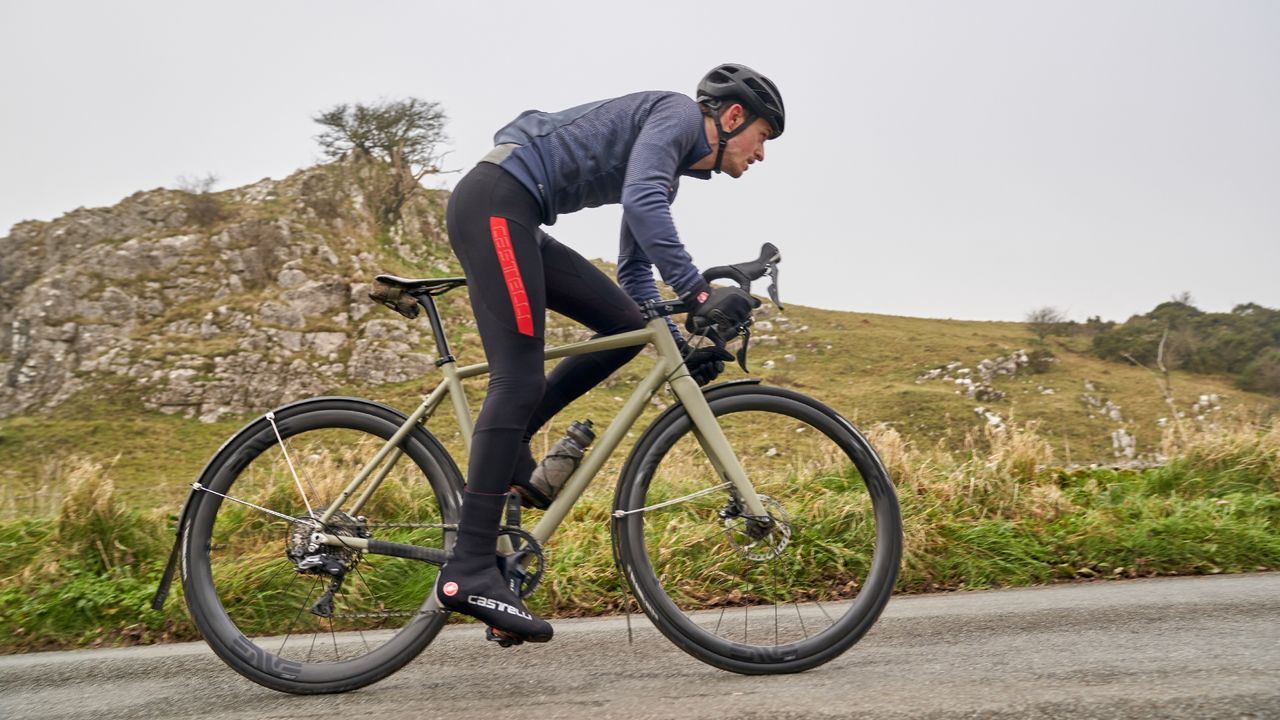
(722, 308)
(704, 363)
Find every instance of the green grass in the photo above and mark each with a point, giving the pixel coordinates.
(992, 515)
(155, 457)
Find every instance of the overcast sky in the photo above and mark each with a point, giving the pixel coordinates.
(952, 159)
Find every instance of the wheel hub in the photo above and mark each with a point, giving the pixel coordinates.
(308, 557)
(757, 538)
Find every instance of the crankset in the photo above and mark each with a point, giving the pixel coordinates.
(524, 567)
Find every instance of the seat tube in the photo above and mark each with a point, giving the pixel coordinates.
(708, 429)
(458, 396)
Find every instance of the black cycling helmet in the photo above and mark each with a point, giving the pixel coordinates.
(754, 91)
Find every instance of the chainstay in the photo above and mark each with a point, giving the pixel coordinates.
(384, 614)
(429, 526)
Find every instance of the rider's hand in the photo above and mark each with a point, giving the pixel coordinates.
(723, 308)
(704, 363)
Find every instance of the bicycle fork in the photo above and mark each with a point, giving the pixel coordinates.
(709, 433)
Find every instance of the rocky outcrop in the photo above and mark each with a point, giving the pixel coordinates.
(975, 382)
(205, 314)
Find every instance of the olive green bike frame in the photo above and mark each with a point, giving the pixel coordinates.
(669, 368)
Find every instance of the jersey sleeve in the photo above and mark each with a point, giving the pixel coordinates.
(635, 274)
(668, 135)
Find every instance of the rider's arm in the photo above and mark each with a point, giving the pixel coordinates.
(671, 131)
(635, 275)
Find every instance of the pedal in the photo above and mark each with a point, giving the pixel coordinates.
(503, 640)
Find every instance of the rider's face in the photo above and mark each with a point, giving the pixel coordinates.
(745, 148)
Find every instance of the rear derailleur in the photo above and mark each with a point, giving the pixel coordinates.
(311, 558)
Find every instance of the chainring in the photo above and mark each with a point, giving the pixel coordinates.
(522, 569)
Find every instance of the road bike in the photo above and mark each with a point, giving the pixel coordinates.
(755, 526)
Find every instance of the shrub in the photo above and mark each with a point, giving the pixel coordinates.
(1263, 373)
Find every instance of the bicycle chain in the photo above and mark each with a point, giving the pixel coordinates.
(385, 614)
(430, 526)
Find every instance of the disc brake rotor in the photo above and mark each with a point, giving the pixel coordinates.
(755, 542)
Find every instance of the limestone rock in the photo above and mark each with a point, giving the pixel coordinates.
(266, 305)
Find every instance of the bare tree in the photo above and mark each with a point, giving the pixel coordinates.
(1166, 387)
(1045, 321)
(202, 207)
(405, 134)
(196, 184)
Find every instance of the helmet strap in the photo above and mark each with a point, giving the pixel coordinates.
(725, 137)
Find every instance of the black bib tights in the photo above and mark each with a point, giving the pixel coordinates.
(515, 272)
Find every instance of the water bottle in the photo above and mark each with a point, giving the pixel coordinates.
(563, 459)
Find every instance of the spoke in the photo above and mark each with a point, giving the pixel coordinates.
(773, 572)
(800, 617)
(271, 417)
(719, 620)
(746, 610)
(365, 583)
(294, 624)
(312, 649)
(273, 513)
(824, 612)
(334, 635)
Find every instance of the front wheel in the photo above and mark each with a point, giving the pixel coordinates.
(759, 595)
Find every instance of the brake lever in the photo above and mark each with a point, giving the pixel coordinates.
(773, 286)
(745, 332)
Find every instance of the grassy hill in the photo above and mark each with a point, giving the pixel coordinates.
(867, 366)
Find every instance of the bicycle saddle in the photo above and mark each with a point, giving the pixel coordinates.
(430, 286)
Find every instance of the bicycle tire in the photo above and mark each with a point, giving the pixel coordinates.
(852, 489)
(239, 581)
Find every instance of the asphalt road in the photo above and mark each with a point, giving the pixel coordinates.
(1206, 647)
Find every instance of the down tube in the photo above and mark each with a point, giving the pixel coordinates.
(711, 437)
(582, 477)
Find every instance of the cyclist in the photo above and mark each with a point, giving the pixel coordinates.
(633, 150)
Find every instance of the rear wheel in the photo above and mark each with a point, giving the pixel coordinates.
(775, 594)
(302, 618)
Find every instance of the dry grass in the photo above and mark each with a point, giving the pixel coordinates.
(997, 511)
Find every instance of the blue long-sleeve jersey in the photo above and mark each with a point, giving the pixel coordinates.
(631, 149)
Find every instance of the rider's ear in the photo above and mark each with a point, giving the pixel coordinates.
(732, 116)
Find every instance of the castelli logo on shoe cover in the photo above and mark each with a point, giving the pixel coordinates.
(450, 589)
(702, 296)
(497, 605)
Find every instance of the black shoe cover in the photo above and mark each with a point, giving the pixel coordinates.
(484, 595)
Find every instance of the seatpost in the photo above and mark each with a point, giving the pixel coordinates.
(445, 356)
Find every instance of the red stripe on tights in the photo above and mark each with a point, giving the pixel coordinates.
(511, 273)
